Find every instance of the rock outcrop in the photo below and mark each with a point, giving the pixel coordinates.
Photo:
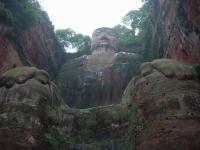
(35, 46)
(34, 116)
(165, 102)
(98, 127)
(99, 78)
(29, 103)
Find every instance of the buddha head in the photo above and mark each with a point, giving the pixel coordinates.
(103, 39)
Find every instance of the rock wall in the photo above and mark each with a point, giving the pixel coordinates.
(98, 126)
(29, 104)
(35, 46)
(179, 23)
(33, 116)
(164, 101)
(163, 112)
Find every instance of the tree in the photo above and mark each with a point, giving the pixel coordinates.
(127, 40)
(81, 42)
(124, 35)
(137, 19)
(65, 37)
(21, 13)
(147, 22)
(70, 39)
(132, 19)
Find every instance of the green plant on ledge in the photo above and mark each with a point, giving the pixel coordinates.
(131, 133)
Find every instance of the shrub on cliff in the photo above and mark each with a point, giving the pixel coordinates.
(21, 13)
(145, 22)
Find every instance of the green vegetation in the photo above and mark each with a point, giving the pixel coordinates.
(91, 127)
(143, 34)
(125, 36)
(197, 68)
(144, 37)
(54, 140)
(136, 19)
(127, 40)
(70, 39)
(21, 13)
(132, 130)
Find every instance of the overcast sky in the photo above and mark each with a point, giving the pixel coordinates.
(84, 16)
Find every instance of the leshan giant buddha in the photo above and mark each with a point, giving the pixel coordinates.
(99, 78)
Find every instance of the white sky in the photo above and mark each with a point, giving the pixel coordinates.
(84, 16)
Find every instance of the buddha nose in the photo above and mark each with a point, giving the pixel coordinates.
(103, 36)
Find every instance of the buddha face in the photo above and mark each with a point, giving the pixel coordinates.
(104, 38)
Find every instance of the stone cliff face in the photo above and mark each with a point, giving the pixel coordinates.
(34, 116)
(164, 102)
(84, 88)
(35, 46)
(100, 78)
(163, 112)
(101, 127)
(165, 106)
(180, 26)
(160, 107)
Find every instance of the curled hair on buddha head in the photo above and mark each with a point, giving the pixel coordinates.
(104, 38)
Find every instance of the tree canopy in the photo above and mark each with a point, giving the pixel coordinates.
(124, 35)
(21, 13)
(70, 39)
(137, 19)
(145, 26)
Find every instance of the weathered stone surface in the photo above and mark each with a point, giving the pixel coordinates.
(170, 68)
(29, 103)
(165, 98)
(103, 47)
(34, 116)
(97, 123)
(100, 78)
(96, 128)
(82, 87)
(35, 46)
(103, 40)
(180, 28)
